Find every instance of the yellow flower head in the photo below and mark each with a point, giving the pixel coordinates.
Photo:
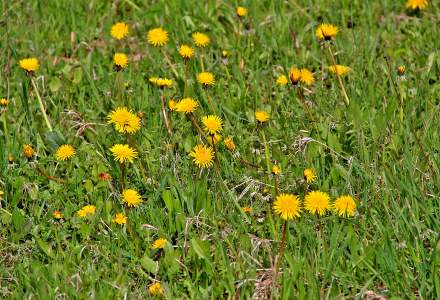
(156, 289)
(225, 53)
(401, 70)
(200, 39)
(57, 215)
(212, 124)
(4, 102)
(202, 156)
(123, 153)
(307, 77)
(187, 105)
(131, 197)
(186, 51)
(159, 243)
(309, 175)
(120, 219)
(161, 82)
(416, 4)
(1, 194)
(247, 209)
(317, 202)
(276, 170)
(282, 80)
(229, 143)
(157, 37)
(326, 31)
(287, 206)
(120, 60)
(216, 137)
(345, 206)
(64, 152)
(261, 116)
(28, 151)
(294, 75)
(172, 105)
(86, 210)
(241, 11)
(206, 78)
(124, 120)
(119, 30)
(339, 70)
(29, 64)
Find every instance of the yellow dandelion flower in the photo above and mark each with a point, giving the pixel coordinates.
(65, 152)
(212, 124)
(229, 143)
(28, 151)
(307, 77)
(120, 219)
(159, 243)
(241, 11)
(57, 215)
(131, 197)
(216, 137)
(416, 4)
(225, 53)
(282, 80)
(123, 153)
(294, 75)
(86, 210)
(157, 37)
(339, 70)
(187, 105)
(326, 31)
(186, 51)
(172, 105)
(29, 64)
(345, 206)
(124, 120)
(309, 175)
(4, 102)
(261, 116)
(206, 78)
(401, 70)
(247, 209)
(276, 170)
(120, 60)
(119, 30)
(1, 194)
(156, 289)
(317, 202)
(202, 156)
(287, 206)
(161, 82)
(200, 39)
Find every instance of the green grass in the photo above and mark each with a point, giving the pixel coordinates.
(391, 247)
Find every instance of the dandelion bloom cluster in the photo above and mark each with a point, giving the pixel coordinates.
(229, 143)
(261, 116)
(317, 202)
(287, 206)
(206, 78)
(326, 31)
(86, 210)
(212, 124)
(339, 70)
(119, 30)
(123, 153)
(186, 51)
(120, 60)
(120, 219)
(159, 243)
(28, 151)
(241, 11)
(345, 206)
(156, 289)
(202, 156)
(29, 64)
(282, 80)
(309, 175)
(416, 4)
(187, 105)
(65, 152)
(157, 37)
(4, 102)
(124, 120)
(200, 39)
(131, 198)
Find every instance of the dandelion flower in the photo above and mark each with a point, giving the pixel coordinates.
(317, 202)
(159, 243)
(225, 53)
(241, 11)
(294, 75)
(416, 4)
(29, 64)
(282, 80)
(187, 105)
(65, 152)
(86, 210)
(309, 175)
(212, 124)
(229, 143)
(131, 197)
(326, 31)
(124, 120)
(200, 39)
(307, 77)
(119, 30)
(186, 51)
(57, 215)
(157, 37)
(206, 78)
(401, 70)
(345, 206)
(123, 153)
(202, 156)
(120, 219)
(161, 82)
(339, 70)
(28, 151)
(216, 137)
(172, 105)
(287, 206)
(4, 102)
(1, 194)
(247, 209)
(156, 289)
(276, 170)
(120, 60)
(261, 116)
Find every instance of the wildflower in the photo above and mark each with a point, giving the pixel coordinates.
(120, 219)
(120, 60)
(28, 151)
(29, 64)
(339, 70)
(4, 102)
(276, 170)
(294, 75)
(159, 243)
(309, 175)
(157, 37)
(86, 210)
(287, 206)
(326, 31)
(307, 77)
(225, 53)
(1, 194)
(10, 158)
(186, 51)
(282, 80)
(187, 105)
(119, 30)
(401, 70)
(202, 156)
(64, 152)
(123, 153)
(213, 124)
(317, 202)
(172, 105)
(156, 289)
(104, 176)
(229, 143)
(206, 78)
(131, 197)
(247, 209)
(241, 11)
(416, 4)
(216, 137)
(57, 215)
(261, 116)
(345, 205)
(200, 39)
(161, 82)
(124, 120)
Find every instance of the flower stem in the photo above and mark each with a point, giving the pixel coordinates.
(5, 128)
(266, 151)
(122, 176)
(40, 102)
(165, 117)
(169, 62)
(341, 84)
(280, 255)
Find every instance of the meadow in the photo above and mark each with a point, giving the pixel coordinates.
(220, 149)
